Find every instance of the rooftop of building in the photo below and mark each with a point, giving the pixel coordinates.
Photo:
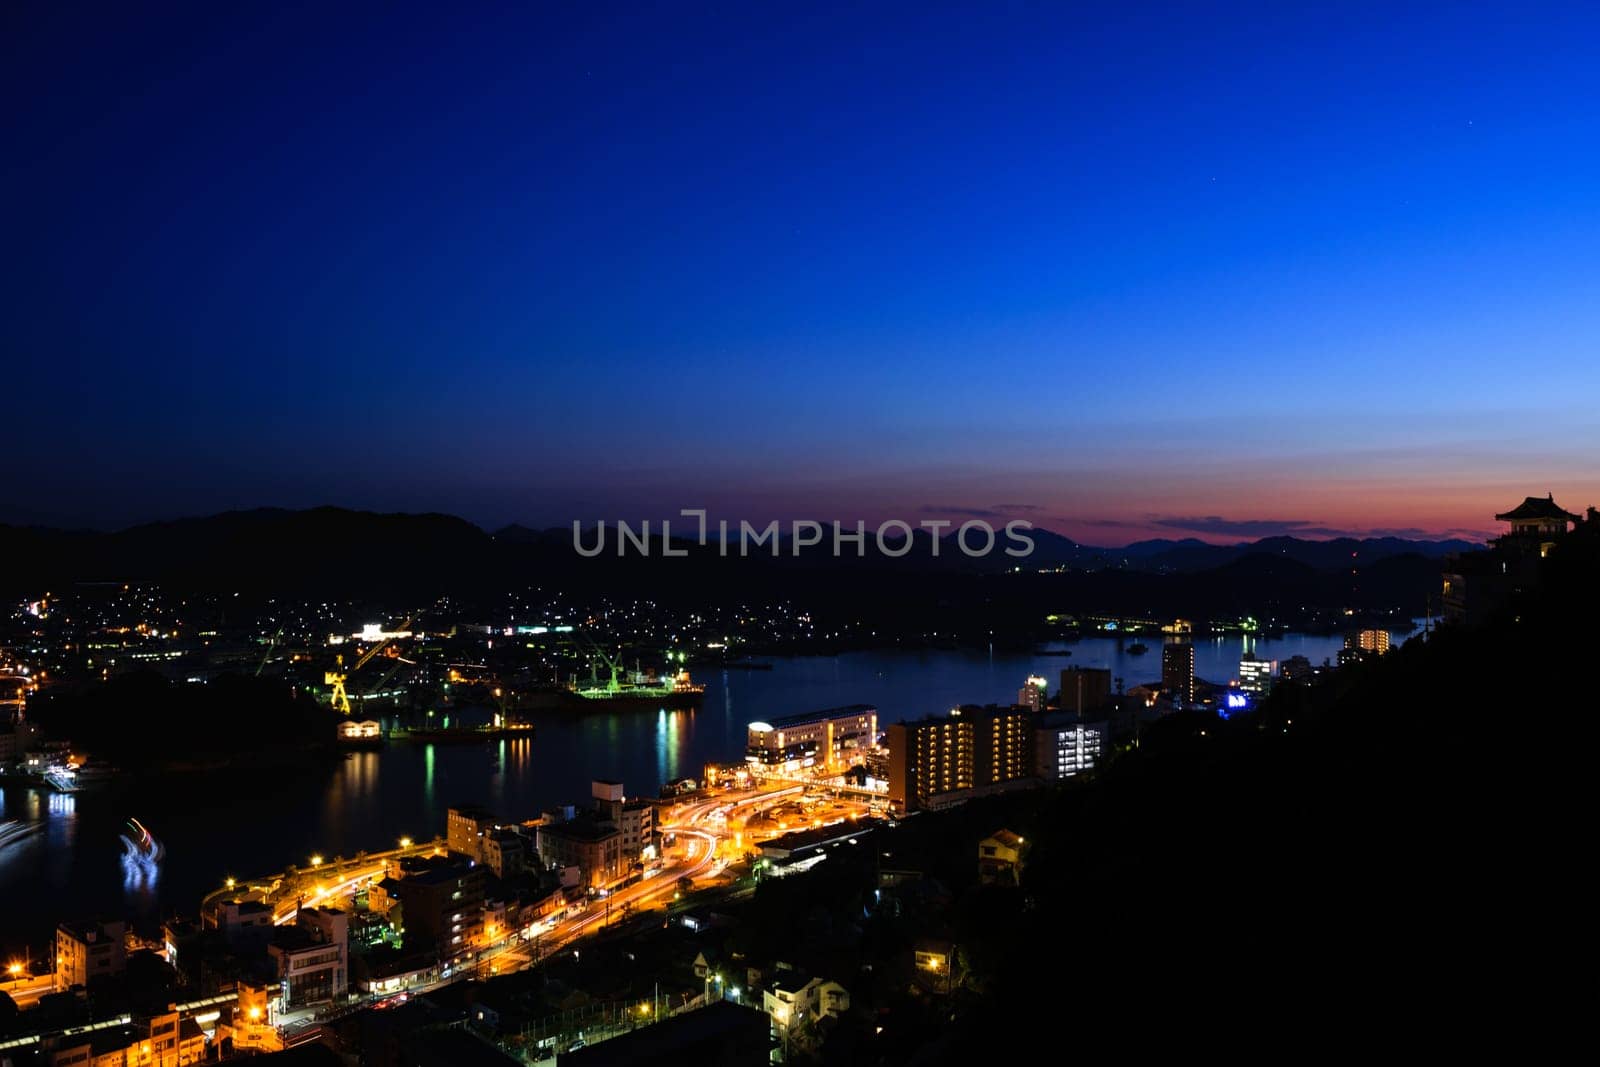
(296, 938)
(791, 981)
(504, 833)
(969, 712)
(582, 828)
(819, 836)
(1006, 838)
(848, 711)
(442, 875)
(472, 811)
(84, 928)
(691, 1037)
(1534, 507)
(243, 907)
(1056, 719)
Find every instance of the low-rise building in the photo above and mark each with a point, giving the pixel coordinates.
(89, 950)
(797, 1001)
(443, 908)
(161, 1040)
(465, 827)
(586, 842)
(245, 924)
(1000, 858)
(833, 739)
(638, 826)
(503, 851)
(311, 958)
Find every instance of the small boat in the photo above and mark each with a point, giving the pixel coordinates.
(1138, 648)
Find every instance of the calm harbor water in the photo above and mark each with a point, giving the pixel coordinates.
(62, 856)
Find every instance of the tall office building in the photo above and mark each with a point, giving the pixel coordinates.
(1032, 694)
(1177, 670)
(969, 749)
(1255, 675)
(1064, 746)
(1084, 689)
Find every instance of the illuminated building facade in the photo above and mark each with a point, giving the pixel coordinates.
(1373, 641)
(587, 843)
(311, 958)
(443, 906)
(1065, 746)
(834, 739)
(503, 851)
(1255, 675)
(634, 819)
(1177, 670)
(465, 828)
(971, 748)
(1032, 694)
(88, 950)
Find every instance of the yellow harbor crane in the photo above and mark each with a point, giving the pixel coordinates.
(335, 678)
(338, 698)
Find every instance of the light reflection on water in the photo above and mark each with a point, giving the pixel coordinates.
(251, 823)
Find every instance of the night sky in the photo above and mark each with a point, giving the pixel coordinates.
(1219, 271)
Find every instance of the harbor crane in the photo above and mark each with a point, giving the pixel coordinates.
(338, 698)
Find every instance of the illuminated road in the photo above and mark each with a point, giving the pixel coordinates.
(701, 827)
(699, 830)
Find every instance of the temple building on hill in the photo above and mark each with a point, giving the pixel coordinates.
(1475, 583)
(1536, 525)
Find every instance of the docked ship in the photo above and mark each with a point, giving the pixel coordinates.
(638, 691)
(466, 735)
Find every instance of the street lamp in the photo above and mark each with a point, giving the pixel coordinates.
(316, 861)
(405, 842)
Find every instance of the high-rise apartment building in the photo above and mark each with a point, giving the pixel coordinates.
(1177, 670)
(971, 748)
(1032, 694)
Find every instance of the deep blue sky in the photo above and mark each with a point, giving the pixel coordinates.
(1122, 271)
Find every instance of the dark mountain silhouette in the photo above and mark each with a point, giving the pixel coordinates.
(342, 552)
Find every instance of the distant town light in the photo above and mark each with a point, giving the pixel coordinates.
(405, 842)
(316, 861)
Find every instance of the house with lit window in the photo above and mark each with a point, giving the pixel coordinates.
(1000, 858)
(797, 1003)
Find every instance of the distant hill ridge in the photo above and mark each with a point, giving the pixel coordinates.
(346, 548)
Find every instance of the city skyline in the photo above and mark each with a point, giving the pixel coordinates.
(561, 535)
(1126, 274)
